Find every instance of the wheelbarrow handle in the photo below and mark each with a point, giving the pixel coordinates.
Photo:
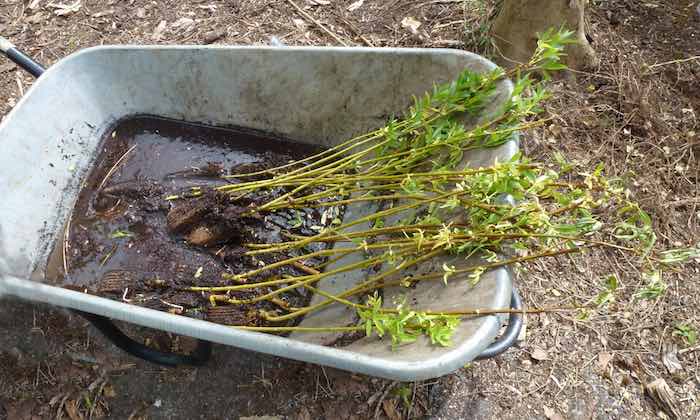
(20, 58)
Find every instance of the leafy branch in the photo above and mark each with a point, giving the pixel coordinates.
(429, 204)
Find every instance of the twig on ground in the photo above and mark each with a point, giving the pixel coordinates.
(317, 23)
(386, 392)
(357, 32)
(413, 401)
(689, 350)
(666, 63)
(685, 202)
(439, 2)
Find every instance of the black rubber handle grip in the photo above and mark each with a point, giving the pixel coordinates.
(197, 358)
(22, 60)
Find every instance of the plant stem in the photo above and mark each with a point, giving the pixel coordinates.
(371, 284)
(373, 280)
(298, 329)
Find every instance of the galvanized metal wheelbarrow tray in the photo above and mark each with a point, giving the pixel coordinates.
(322, 95)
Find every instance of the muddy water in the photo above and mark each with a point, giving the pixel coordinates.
(119, 224)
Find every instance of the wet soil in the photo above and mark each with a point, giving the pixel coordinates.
(129, 240)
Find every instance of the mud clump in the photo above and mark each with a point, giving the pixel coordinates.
(209, 220)
(186, 214)
(110, 196)
(208, 236)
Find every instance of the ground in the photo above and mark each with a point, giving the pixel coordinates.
(636, 113)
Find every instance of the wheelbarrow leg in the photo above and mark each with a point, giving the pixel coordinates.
(197, 358)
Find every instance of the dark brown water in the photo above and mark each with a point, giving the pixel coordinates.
(119, 222)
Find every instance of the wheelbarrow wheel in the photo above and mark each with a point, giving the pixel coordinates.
(198, 357)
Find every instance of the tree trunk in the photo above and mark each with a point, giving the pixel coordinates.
(517, 24)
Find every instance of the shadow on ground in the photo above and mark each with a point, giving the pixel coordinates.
(53, 363)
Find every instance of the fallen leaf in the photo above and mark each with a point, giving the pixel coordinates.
(183, 23)
(22, 410)
(356, 5)
(7, 67)
(373, 398)
(663, 396)
(72, 410)
(37, 17)
(551, 413)
(411, 24)
(158, 32)
(213, 36)
(389, 407)
(300, 24)
(304, 414)
(449, 43)
(55, 399)
(669, 357)
(122, 368)
(604, 359)
(522, 336)
(66, 9)
(103, 13)
(108, 391)
(539, 354)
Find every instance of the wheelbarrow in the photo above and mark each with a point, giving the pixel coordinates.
(324, 95)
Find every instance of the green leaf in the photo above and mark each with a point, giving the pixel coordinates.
(608, 295)
(298, 221)
(378, 223)
(654, 288)
(119, 234)
(583, 315)
(405, 326)
(564, 165)
(679, 255)
(451, 204)
(404, 392)
(687, 332)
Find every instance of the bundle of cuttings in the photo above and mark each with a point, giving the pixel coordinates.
(425, 203)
